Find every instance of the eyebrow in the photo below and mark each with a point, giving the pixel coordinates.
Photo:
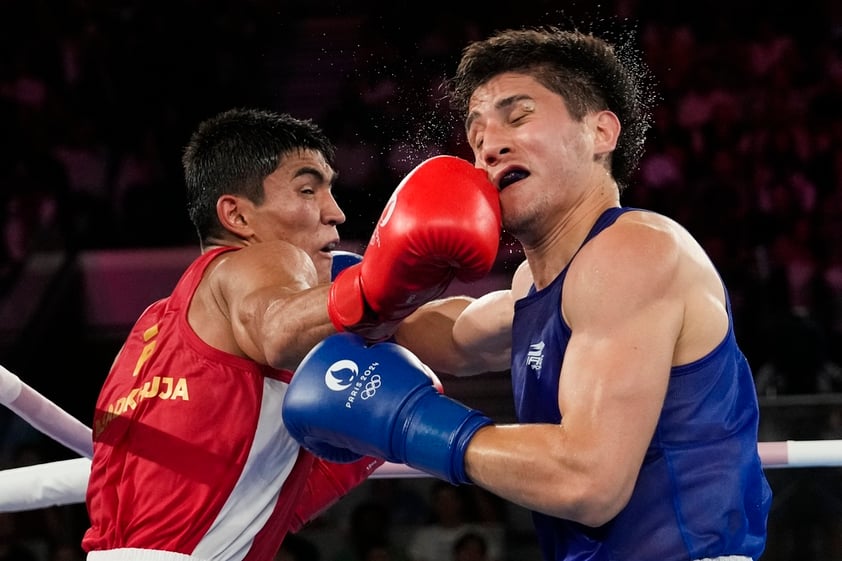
(504, 103)
(317, 173)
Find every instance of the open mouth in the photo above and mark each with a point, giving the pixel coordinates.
(512, 176)
(329, 247)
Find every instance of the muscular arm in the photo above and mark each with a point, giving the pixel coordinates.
(463, 335)
(430, 333)
(624, 302)
(263, 302)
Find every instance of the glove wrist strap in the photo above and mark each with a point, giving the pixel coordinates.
(346, 303)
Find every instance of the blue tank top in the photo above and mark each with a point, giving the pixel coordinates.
(701, 491)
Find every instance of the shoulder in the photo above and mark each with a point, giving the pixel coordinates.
(638, 226)
(521, 281)
(276, 262)
(642, 255)
(637, 240)
(236, 275)
(276, 253)
(236, 284)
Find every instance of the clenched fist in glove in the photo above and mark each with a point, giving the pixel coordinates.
(348, 399)
(442, 222)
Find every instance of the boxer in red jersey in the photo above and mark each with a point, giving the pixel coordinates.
(191, 456)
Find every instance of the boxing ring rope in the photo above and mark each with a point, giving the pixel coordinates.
(44, 415)
(64, 482)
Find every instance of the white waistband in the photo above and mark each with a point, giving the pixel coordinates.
(727, 558)
(137, 554)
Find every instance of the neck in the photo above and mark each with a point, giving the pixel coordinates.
(552, 253)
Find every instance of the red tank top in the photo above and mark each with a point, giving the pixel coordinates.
(190, 452)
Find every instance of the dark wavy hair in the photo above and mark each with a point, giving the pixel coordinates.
(590, 74)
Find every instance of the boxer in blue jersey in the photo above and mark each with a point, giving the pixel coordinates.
(637, 414)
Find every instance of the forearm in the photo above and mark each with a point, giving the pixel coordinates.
(448, 342)
(428, 333)
(540, 468)
(484, 330)
(290, 327)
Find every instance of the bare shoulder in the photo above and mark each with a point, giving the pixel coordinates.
(638, 244)
(235, 281)
(521, 281)
(647, 261)
(653, 220)
(262, 264)
(236, 275)
(642, 255)
(641, 238)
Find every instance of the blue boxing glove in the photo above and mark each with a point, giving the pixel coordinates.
(378, 400)
(342, 260)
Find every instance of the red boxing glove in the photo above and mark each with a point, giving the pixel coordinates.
(442, 222)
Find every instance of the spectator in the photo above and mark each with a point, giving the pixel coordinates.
(451, 517)
(368, 537)
(470, 546)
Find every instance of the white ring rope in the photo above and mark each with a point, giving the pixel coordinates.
(65, 482)
(44, 485)
(44, 415)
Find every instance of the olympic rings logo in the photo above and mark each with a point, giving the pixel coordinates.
(371, 387)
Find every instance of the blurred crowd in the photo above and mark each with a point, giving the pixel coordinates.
(98, 98)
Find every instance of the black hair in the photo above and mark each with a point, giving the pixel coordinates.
(234, 151)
